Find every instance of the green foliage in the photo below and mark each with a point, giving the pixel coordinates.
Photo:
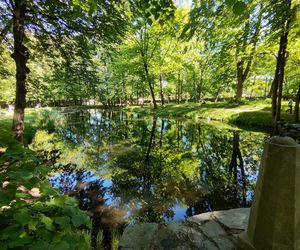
(191, 52)
(239, 7)
(7, 69)
(248, 114)
(33, 215)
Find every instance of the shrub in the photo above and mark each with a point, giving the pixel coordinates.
(33, 215)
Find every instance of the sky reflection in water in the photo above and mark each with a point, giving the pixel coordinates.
(153, 169)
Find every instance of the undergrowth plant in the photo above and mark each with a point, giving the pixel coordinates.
(33, 215)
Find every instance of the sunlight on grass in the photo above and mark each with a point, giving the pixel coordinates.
(246, 113)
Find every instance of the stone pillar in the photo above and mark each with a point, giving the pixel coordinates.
(274, 221)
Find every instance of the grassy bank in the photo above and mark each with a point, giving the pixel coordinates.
(255, 114)
(32, 214)
(32, 122)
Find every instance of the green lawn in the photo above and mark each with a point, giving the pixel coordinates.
(33, 120)
(255, 114)
(249, 113)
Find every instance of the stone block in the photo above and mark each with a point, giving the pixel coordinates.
(234, 218)
(274, 221)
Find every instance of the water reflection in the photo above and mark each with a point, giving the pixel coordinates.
(90, 192)
(154, 169)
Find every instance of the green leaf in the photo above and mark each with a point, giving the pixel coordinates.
(3, 246)
(58, 201)
(23, 217)
(62, 245)
(32, 225)
(19, 242)
(8, 232)
(63, 221)
(239, 8)
(39, 245)
(46, 188)
(48, 222)
(230, 3)
(149, 21)
(79, 219)
(43, 170)
(21, 175)
(21, 195)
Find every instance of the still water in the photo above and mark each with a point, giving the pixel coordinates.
(148, 169)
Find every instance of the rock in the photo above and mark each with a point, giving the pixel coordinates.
(208, 245)
(233, 218)
(200, 218)
(166, 239)
(225, 243)
(207, 231)
(212, 229)
(138, 236)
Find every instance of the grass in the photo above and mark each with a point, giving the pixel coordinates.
(255, 114)
(33, 119)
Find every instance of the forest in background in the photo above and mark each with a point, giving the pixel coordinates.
(207, 50)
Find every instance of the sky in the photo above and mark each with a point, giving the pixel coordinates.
(181, 3)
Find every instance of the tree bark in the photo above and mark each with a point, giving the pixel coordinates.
(270, 94)
(124, 91)
(200, 86)
(151, 140)
(296, 110)
(279, 74)
(178, 88)
(20, 56)
(235, 149)
(242, 73)
(240, 81)
(161, 90)
(150, 85)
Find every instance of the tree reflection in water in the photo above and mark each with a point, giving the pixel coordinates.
(89, 191)
(157, 169)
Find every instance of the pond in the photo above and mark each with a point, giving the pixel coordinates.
(148, 169)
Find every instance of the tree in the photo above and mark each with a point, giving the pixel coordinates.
(54, 23)
(283, 16)
(147, 14)
(247, 41)
(296, 111)
(232, 29)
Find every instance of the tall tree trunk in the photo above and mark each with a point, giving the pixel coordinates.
(161, 89)
(151, 140)
(270, 94)
(242, 73)
(240, 81)
(235, 149)
(195, 86)
(124, 90)
(178, 87)
(200, 86)
(20, 56)
(296, 110)
(279, 74)
(237, 155)
(150, 85)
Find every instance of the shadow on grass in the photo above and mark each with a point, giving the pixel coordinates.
(171, 110)
(31, 125)
(259, 120)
